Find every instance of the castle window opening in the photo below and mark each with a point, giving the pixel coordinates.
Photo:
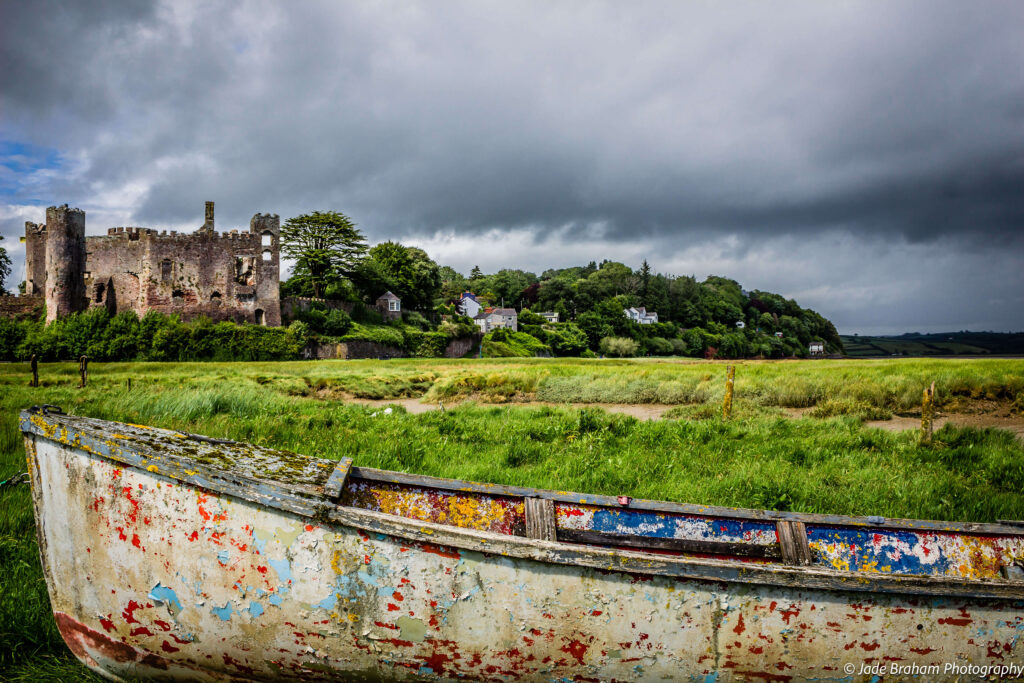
(267, 255)
(98, 298)
(178, 297)
(244, 270)
(166, 270)
(215, 299)
(268, 239)
(261, 319)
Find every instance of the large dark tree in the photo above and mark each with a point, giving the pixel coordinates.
(5, 265)
(326, 246)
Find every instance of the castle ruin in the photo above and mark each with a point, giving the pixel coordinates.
(225, 276)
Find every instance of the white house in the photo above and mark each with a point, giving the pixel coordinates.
(817, 348)
(550, 316)
(740, 324)
(641, 315)
(495, 318)
(390, 306)
(779, 335)
(468, 305)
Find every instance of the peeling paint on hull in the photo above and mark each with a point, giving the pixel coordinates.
(154, 577)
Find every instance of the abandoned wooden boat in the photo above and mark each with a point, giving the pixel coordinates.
(175, 556)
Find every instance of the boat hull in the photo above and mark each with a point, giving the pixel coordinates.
(151, 577)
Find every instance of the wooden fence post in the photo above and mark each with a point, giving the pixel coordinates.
(34, 364)
(83, 370)
(730, 374)
(927, 413)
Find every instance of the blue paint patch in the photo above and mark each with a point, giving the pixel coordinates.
(283, 569)
(657, 525)
(255, 609)
(877, 550)
(330, 602)
(261, 544)
(223, 613)
(223, 556)
(167, 595)
(711, 677)
(275, 600)
(386, 591)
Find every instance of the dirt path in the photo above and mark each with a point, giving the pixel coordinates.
(1000, 419)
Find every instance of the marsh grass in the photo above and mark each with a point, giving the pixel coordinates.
(761, 459)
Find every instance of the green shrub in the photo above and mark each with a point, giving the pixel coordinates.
(620, 347)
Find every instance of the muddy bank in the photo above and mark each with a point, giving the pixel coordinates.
(995, 416)
(415, 407)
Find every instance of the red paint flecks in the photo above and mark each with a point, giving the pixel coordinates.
(309, 527)
(141, 631)
(438, 550)
(194, 536)
(922, 650)
(261, 570)
(366, 559)
(788, 614)
(129, 612)
(162, 624)
(576, 649)
(393, 607)
(167, 647)
(137, 543)
(870, 647)
(740, 628)
(397, 596)
(107, 624)
(954, 621)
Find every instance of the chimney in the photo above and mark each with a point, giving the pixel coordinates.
(208, 225)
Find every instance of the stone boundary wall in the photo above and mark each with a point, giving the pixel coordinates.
(292, 304)
(21, 306)
(351, 350)
(457, 348)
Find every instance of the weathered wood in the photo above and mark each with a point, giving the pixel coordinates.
(540, 519)
(927, 414)
(406, 479)
(730, 374)
(793, 540)
(83, 370)
(34, 364)
(682, 545)
(334, 485)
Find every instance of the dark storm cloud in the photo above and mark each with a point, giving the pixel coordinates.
(666, 123)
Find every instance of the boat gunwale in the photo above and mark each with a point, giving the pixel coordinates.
(287, 498)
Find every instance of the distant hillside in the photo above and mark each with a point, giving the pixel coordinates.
(939, 344)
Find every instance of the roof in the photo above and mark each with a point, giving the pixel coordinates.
(468, 295)
(503, 311)
(388, 295)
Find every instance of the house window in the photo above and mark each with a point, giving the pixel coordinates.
(393, 305)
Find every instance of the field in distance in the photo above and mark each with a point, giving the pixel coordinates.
(801, 438)
(940, 344)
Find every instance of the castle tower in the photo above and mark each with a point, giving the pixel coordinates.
(65, 261)
(208, 222)
(268, 295)
(35, 258)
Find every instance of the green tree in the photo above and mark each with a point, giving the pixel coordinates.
(645, 282)
(326, 246)
(408, 272)
(5, 265)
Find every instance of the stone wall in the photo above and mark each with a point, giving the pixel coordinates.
(290, 305)
(21, 306)
(457, 348)
(351, 350)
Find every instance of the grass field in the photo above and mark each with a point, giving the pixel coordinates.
(826, 461)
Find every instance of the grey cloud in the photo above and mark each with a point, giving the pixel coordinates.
(664, 122)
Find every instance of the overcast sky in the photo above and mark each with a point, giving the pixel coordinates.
(866, 159)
